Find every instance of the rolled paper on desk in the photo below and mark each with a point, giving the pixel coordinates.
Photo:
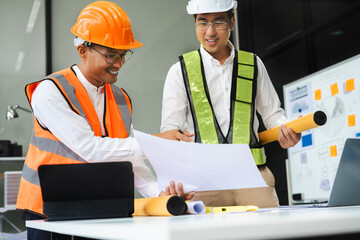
(196, 207)
(159, 206)
(299, 125)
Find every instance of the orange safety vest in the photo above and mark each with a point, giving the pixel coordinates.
(45, 148)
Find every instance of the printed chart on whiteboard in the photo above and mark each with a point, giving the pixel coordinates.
(314, 160)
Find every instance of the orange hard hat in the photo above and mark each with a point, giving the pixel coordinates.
(106, 24)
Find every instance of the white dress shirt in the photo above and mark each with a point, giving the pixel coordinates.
(54, 113)
(176, 112)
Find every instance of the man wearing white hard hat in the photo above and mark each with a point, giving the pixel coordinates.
(215, 93)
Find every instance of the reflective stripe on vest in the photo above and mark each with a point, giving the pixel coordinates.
(30, 175)
(202, 108)
(48, 145)
(70, 92)
(45, 148)
(243, 98)
(53, 146)
(123, 106)
(206, 128)
(117, 92)
(243, 104)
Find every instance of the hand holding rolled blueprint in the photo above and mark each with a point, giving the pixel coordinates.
(159, 206)
(299, 125)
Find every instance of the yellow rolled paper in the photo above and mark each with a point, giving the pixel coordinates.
(159, 206)
(299, 125)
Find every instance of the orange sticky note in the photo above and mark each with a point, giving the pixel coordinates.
(317, 94)
(349, 85)
(351, 120)
(333, 151)
(334, 89)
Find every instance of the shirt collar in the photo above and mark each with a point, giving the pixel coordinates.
(87, 85)
(208, 58)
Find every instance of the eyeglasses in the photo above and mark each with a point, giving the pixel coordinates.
(112, 58)
(202, 26)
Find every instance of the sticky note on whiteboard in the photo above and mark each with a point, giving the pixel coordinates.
(333, 151)
(349, 85)
(317, 94)
(334, 89)
(306, 140)
(351, 120)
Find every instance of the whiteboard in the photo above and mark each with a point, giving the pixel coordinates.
(314, 160)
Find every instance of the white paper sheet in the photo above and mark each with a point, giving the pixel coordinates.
(201, 167)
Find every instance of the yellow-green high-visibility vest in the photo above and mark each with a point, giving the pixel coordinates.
(242, 108)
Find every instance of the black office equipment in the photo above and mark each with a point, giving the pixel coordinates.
(346, 188)
(85, 191)
(8, 149)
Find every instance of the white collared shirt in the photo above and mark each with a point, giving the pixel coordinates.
(176, 112)
(54, 113)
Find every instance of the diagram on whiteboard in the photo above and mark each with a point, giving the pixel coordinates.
(334, 108)
(314, 160)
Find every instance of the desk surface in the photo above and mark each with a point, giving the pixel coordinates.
(264, 224)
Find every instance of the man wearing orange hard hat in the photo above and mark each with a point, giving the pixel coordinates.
(80, 116)
(217, 91)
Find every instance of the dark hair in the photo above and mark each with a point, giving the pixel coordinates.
(230, 14)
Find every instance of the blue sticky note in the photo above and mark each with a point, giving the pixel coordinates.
(306, 140)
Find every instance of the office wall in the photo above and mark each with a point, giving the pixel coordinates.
(163, 26)
(22, 49)
(165, 29)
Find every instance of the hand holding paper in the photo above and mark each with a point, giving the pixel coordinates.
(201, 167)
(177, 190)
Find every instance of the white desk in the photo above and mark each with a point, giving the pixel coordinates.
(273, 224)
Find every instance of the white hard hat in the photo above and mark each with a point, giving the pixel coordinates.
(210, 6)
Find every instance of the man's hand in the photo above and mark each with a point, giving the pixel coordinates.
(176, 135)
(172, 191)
(287, 137)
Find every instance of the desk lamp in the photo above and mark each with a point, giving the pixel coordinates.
(11, 112)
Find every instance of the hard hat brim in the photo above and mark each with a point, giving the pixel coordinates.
(134, 44)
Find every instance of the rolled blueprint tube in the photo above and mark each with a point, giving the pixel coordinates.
(196, 207)
(299, 125)
(160, 206)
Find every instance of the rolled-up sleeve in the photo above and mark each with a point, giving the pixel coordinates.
(267, 101)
